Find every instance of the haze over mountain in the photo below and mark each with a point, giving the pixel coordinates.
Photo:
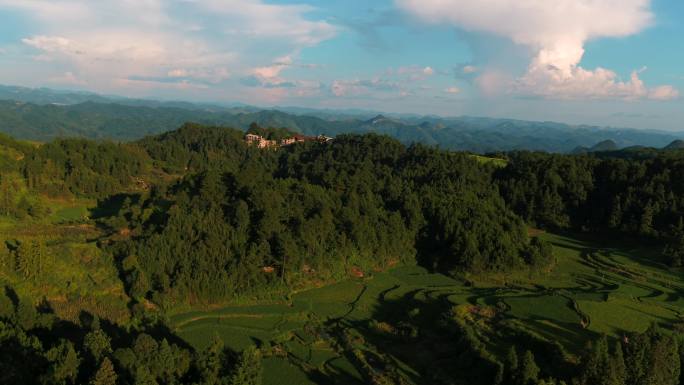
(43, 114)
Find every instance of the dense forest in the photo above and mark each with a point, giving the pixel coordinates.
(359, 202)
(632, 194)
(196, 217)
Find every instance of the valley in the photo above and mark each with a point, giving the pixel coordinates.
(359, 329)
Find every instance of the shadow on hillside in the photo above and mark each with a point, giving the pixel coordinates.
(424, 335)
(112, 205)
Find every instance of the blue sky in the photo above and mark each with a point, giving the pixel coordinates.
(607, 62)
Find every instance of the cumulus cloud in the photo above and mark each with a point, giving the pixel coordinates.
(141, 42)
(270, 77)
(556, 32)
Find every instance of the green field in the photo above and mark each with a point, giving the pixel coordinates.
(354, 330)
(493, 161)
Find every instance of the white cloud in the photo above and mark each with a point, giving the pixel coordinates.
(469, 69)
(273, 70)
(663, 93)
(48, 43)
(256, 19)
(556, 31)
(145, 41)
(453, 90)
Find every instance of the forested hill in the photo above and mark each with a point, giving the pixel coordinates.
(123, 120)
(369, 201)
(196, 217)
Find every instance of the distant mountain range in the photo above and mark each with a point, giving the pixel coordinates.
(44, 114)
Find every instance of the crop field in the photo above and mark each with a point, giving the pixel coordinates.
(361, 328)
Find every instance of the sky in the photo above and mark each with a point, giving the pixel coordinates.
(601, 62)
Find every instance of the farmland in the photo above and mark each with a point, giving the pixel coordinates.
(387, 324)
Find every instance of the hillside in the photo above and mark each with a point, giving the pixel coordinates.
(194, 257)
(43, 115)
(675, 145)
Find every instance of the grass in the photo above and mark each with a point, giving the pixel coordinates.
(278, 371)
(501, 163)
(545, 307)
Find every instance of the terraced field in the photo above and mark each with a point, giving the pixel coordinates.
(383, 325)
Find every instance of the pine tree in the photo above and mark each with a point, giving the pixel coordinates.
(144, 377)
(210, 362)
(97, 344)
(248, 369)
(674, 251)
(105, 374)
(597, 366)
(511, 364)
(528, 372)
(664, 366)
(619, 369)
(24, 259)
(64, 363)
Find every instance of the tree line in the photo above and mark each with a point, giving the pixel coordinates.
(38, 348)
(622, 194)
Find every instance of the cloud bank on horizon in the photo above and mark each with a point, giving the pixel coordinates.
(556, 31)
(419, 56)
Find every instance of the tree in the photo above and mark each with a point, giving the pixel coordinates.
(511, 365)
(674, 251)
(105, 374)
(619, 369)
(248, 370)
(210, 362)
(598, 367)
(528, 372)
(97, 344)
(25, 259)
(64, 363)
(144, 377)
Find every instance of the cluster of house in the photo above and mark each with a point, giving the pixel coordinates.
(261, 142)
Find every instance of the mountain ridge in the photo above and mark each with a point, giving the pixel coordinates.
(93, 116)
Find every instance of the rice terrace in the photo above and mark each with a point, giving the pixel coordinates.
(353, 330)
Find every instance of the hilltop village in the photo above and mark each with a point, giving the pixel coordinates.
(272, 141)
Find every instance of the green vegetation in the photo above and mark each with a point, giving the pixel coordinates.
(395, 324)
(191, 257)
(497, 162)
(254, 222)
(627, 195)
